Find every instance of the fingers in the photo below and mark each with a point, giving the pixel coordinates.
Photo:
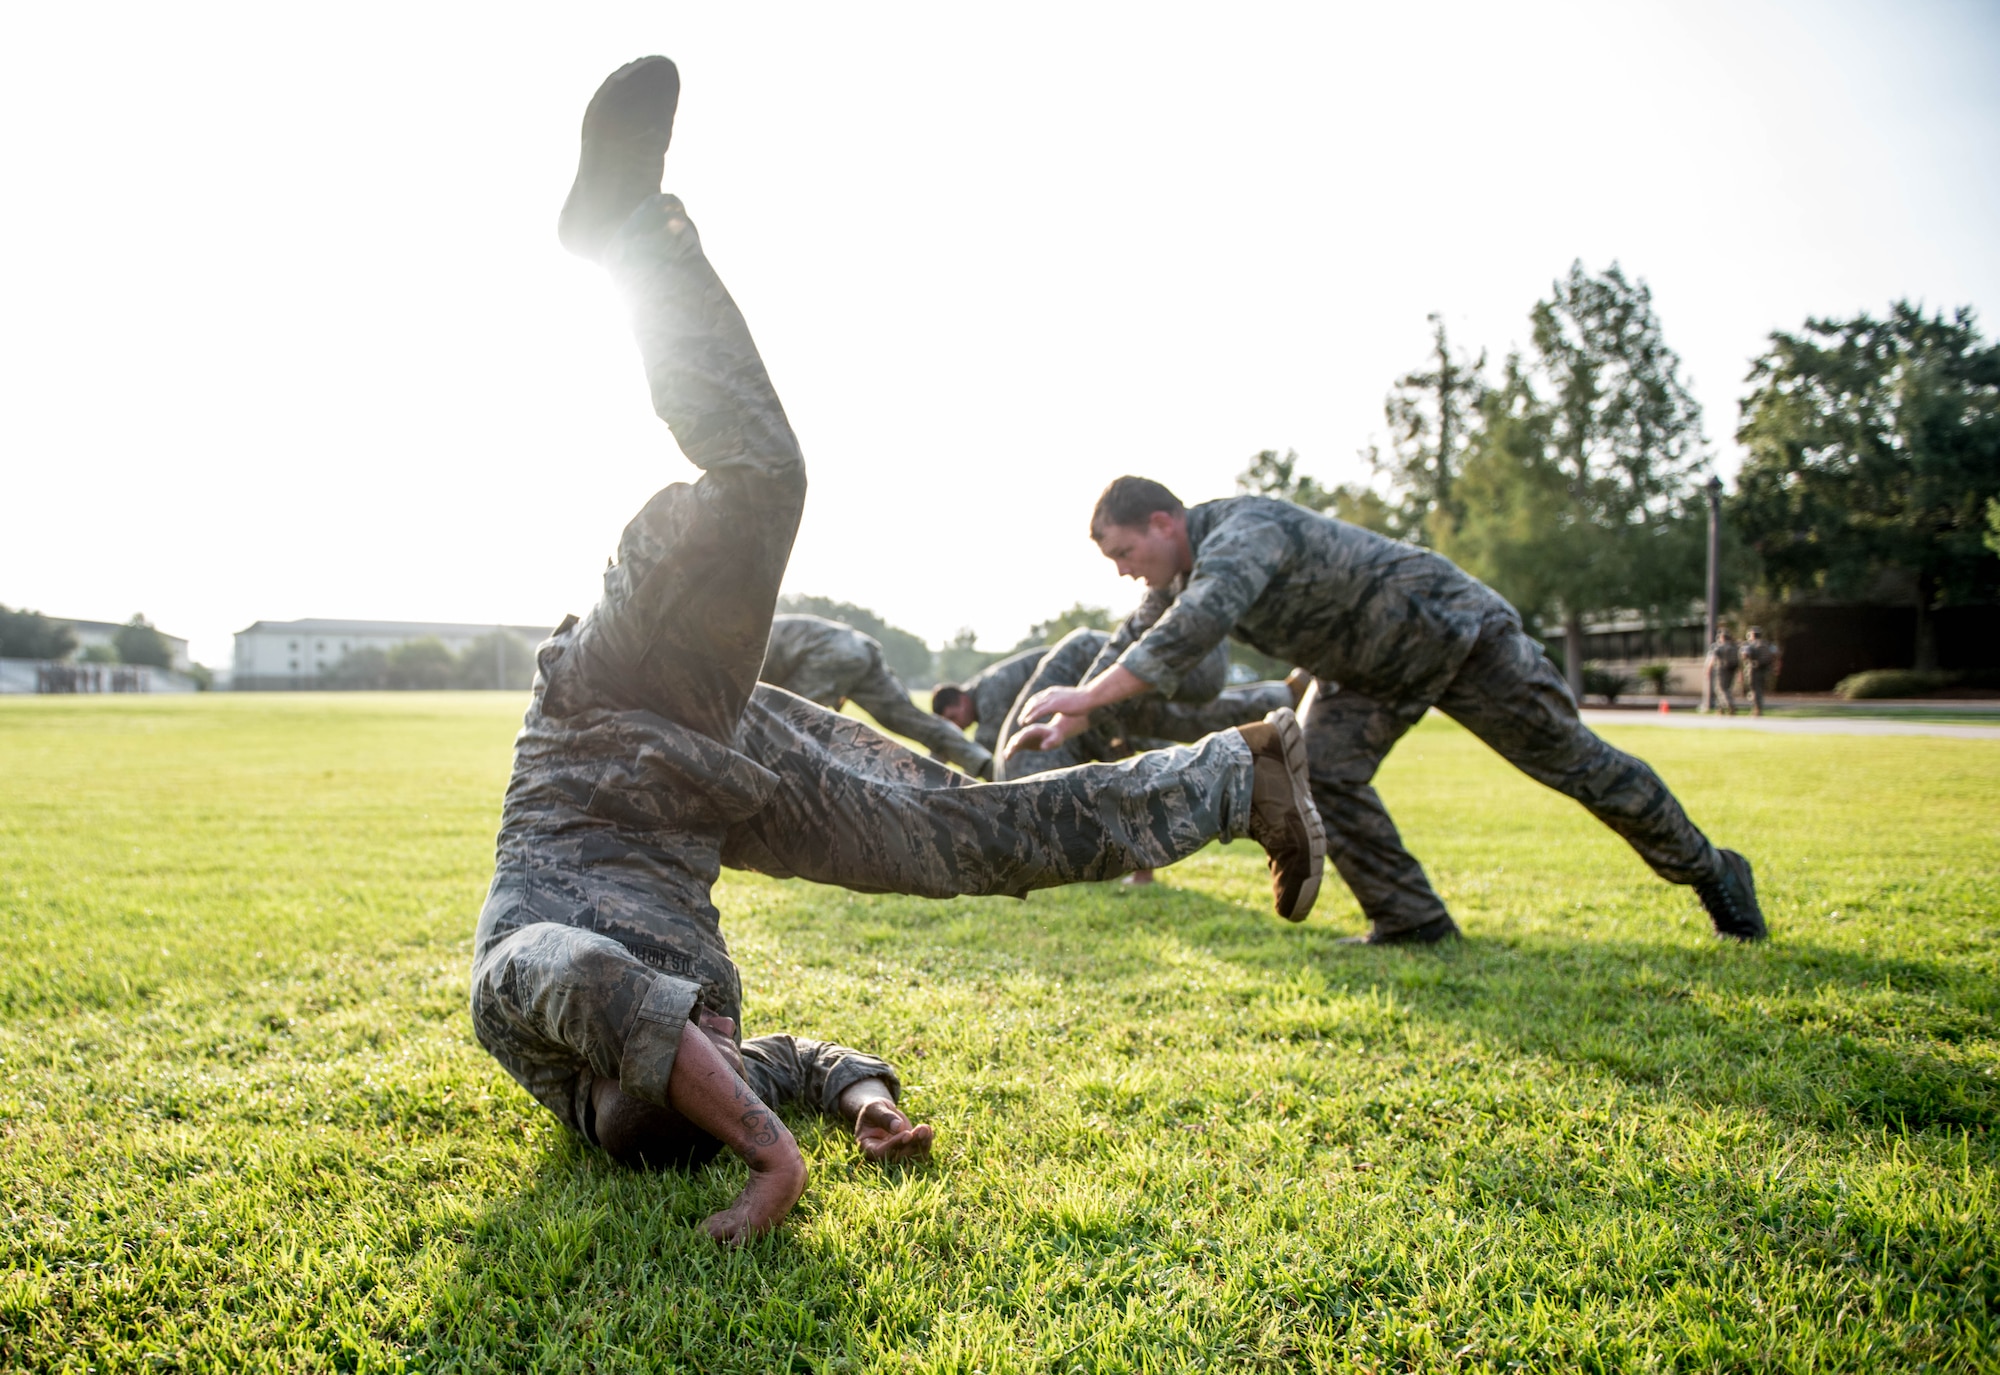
(1033, 738)
(1037, 706)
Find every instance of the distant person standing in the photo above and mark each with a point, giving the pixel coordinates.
(1725, 660)
(1761, 661)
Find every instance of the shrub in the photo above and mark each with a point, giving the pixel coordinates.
(1655, 677)
(1602, 682)
(1894, 682)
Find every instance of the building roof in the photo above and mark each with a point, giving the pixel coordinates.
(408, 630)
(106, 628)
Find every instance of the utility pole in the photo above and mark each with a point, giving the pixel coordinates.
(1714, 618)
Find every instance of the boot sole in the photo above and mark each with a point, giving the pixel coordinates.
(1292, 737)
(632, 112)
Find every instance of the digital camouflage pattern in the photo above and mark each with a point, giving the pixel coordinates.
(1760, 667)
(830, 662)
(993, 690)
(1140, 723)
(1344, 603)
(1725, 657)
(1390, 630)
(650, 753)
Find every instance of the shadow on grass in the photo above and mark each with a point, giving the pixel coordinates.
(1835, 1037)
(590, 1266)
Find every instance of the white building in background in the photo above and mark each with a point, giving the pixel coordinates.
(293, 655)
(94, 634)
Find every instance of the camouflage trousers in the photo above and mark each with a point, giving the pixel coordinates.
(1509, 695)
(854, 808)
(879, 693)
(651, 756)
(1721, 688)
(567, 988)
(1142, 723)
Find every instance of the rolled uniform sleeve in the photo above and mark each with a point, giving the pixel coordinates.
(785, 1069)
(1232, 567)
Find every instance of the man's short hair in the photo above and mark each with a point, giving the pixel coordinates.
(645, 1136)
(1130, 501)
(946, 697)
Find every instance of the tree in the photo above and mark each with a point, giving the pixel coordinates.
(1078, 617)
(28, 634)
(359, 670)
(1431, 415)
(501, 660)
(962, 657)
(907, 654)
(423, 665)
(1577, 485)
(1269, 475)
(138, 642)
(1875, 445)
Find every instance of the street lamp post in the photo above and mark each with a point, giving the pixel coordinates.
(1714, 617)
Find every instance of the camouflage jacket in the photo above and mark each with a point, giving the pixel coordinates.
(1201, 683)
(1376, 615)
(820, 660)
(993, 690)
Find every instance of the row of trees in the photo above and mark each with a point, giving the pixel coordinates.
(28, 634)
(497, 660)
(1571, 480)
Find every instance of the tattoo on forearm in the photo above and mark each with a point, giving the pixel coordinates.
(762, 1127)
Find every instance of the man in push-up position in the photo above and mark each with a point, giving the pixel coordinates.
(650, 757)
(1389, 631)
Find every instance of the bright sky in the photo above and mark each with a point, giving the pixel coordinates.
(285, 331)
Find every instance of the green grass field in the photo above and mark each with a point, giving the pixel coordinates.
(246, 1126)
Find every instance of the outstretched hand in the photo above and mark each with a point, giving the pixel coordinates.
(1043, 737)
(1056, 701)
(885, 1134)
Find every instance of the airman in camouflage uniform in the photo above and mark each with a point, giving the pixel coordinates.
(1725, 657)
(1390, 630)
(1202, 706)
(1761, 659)
(986, 696)
(650, 757)
(829, 662)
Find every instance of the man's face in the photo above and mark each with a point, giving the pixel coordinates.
(959, 713)
(722, 1031)
(1156, 552)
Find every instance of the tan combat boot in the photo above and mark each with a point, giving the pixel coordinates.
(1282, 816)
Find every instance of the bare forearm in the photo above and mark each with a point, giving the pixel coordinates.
(705, 1090)
(1115, 684)
(855, 1098)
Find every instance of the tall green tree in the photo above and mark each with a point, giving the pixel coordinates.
(1874, 445)
(138, 641)
(1271, 474)
(1576, 493)
(962, 657)
(1078, 617)
(28, 634)
(421, 665)
(498, 659)
(1431, 414)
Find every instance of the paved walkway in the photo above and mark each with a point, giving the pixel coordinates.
(1789, 725)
